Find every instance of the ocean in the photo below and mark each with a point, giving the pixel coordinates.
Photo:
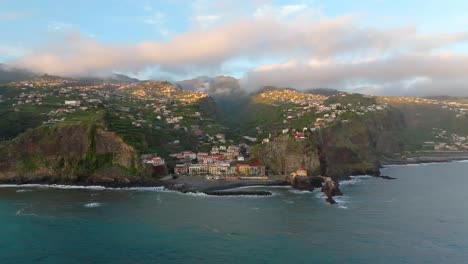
(421, 217)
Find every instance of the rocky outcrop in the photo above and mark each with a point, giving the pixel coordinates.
(284, 155)
(338, 151)
(354, 148)
(69, 154)
(331, 189)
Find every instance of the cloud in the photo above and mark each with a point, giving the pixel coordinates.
(206, 18)
(284, 11)
(410, 74)
(320, 52)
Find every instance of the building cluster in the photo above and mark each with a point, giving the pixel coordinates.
(445, 141)
(220, 161)
(220, 170)
(460, 108)
(43, 83)
(325, 115)
(290, 96)
(217, 155)
(153, 160)
(149, 89)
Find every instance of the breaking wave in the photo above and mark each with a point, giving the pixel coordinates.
(23, 190)
(355, 180)
(300, 191)
(92, 205)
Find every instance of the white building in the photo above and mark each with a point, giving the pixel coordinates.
(73, 103)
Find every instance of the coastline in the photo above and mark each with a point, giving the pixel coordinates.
(182, 184)
(192, 184)
(427, 157)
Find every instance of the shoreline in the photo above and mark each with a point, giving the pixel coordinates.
(193, 184)
(429, 157)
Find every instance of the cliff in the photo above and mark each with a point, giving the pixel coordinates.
(285, 154)
(338, 151)
(355, 147)
(76, 153)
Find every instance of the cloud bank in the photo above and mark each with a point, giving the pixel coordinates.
(316, 51)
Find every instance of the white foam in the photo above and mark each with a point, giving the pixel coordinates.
(320, 195)
(53, 186)
(92, 205)
(146, 189)
(21, 212)
(82, 187)
(300, 191)
(341, 199)
(23, 190)
(355, 180)
(260, 186)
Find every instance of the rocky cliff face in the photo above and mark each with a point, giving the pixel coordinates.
(355, 147)
(284, 155)
(69, 154)
(339, 151)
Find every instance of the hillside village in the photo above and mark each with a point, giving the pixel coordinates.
(191, 139)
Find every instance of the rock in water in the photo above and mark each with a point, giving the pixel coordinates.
(331, 188)
(182, 187)
(302, 183)
(330, 200)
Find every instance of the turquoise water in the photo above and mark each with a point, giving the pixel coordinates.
(420, 218)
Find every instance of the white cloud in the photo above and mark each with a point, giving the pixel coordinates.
(285, 11)
(335, 52)
(408, 74)
(288, 10)
(206, 18)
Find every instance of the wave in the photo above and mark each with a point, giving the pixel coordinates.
(80, 187)
(23, 190)
(342, 199)
(260, 186)
(300, 191)
(320, 195)
(92, 205)
(54, 186)
(145, 189)
(22, 213)
(355, 180)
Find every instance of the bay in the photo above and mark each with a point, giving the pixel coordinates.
(422, 217)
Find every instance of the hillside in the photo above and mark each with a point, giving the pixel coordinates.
(440, 125)
(81, 151)
(112, 123)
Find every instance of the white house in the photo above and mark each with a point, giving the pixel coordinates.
(73, 103)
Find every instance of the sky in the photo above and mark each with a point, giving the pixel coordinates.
(384, 47)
